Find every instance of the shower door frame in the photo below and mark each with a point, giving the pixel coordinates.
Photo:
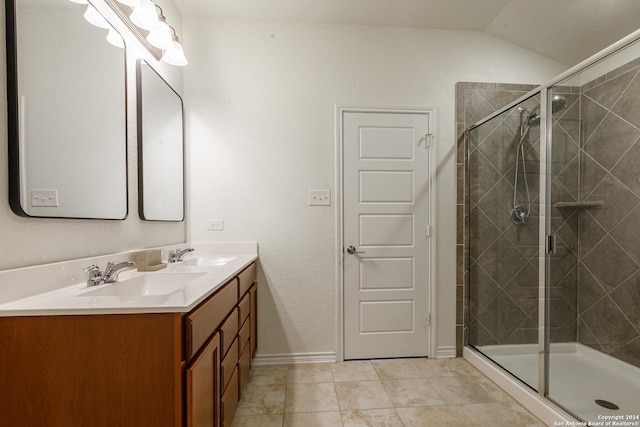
(540, 399)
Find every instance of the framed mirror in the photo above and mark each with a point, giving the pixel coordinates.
(160, 147)
(66, 113)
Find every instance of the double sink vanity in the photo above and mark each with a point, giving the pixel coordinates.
(171, 347)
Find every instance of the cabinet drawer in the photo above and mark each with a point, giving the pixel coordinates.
(244, 366)
(245, 307)
(246, 278)
(229, 401)
(245, 333)
(254, 319)
(228, 331)
(229, 363)
(204, 320)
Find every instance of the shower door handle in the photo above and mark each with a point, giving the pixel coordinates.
(352, 250)
(551, 244)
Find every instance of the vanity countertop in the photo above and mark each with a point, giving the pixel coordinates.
(178, 288)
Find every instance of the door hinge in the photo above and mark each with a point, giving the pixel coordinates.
(427, 139)
(427, 232)
(427, 320)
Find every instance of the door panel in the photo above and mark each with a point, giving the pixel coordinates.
(386, 214)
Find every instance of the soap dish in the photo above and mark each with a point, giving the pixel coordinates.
(150, 260)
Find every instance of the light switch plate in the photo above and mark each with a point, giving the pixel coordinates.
(215, 225)
(319, 197)
(46, 198)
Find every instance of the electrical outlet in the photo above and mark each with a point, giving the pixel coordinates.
(215, 225)
(48, 198)
(319, 197)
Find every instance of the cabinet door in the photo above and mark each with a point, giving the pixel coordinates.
(203, 387)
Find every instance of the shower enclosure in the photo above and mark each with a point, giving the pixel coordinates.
(552, 207)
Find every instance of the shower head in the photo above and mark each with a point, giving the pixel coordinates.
(558, 103)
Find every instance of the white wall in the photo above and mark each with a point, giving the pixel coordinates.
(260, 99)
(30, 241)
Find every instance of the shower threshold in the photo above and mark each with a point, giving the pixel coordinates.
(578, 377)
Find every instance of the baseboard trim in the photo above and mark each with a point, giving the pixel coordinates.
(293, 358)
(446, 352)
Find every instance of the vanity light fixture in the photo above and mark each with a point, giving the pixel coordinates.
(80, 1)
(95, 18)
(145, 16)
(162, 36)
(175, 54)
(130, 3)
(115, 39)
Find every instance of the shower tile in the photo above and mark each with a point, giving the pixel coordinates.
(634, 63)
(502, 260)
(627, 234)
(592, 115)
(502, 316)
(608, 93)
(563, 150)
(585, 336)
(483, 232)
(629, 352)
(477, 107)
(627, 169)
(590, 290)
(568, 289)
(479, 334)
(609, 264)
(609, 324)
(610, 140)
(568, 232)
(526, 333)
(628, 106)
(618, 202)
(590, 233)
(591, 174)
(626, 296)
(496, 204)
(562, 264)
(568, 177)
(563, 326)
(501, 148)
(523, 289)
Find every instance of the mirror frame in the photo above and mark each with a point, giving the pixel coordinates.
(13, 122)
(140, 136)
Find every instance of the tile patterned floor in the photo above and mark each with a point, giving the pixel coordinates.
(384, 393)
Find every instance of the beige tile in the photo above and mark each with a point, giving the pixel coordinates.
(456, 390)
(361, 370)
(430, 416)
(362, 395)
(397, 368)
(311, 397)
(258, 420)
(268, 375)
(429, 368)
(313, 419)
(497, 415)
(412, 392)
(371, 418)
(310, 373)
(262, 400)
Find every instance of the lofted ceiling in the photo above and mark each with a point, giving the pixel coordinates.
(565, 30)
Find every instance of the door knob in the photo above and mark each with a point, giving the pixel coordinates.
(352, 250)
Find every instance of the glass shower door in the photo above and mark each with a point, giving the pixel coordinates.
(503, 200)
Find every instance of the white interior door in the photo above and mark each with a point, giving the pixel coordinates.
(386, 202)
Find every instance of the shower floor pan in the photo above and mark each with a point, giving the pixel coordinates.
(578, 377)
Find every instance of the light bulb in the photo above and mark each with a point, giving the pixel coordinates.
(175, 54)
(161, 37)
(93, 16)
(115, 39)
(145, 16)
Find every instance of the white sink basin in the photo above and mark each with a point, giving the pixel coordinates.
(203, 262)
(150, 284)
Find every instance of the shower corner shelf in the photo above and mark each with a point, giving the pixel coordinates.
(580, 205)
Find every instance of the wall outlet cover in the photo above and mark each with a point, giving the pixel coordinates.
(215, 225)
(319, 197)
(46, 198)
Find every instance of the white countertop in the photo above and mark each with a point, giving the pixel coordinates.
(177, 288)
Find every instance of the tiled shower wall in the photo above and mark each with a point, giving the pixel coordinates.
(595, 275)
(609, 237)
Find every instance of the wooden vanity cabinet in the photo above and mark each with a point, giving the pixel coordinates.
(157, 370)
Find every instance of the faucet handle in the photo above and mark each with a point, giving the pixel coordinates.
(91, 268)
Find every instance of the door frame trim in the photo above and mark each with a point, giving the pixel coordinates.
(340, 110)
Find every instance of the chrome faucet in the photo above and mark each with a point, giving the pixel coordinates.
(110, 273)
(176, 255)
